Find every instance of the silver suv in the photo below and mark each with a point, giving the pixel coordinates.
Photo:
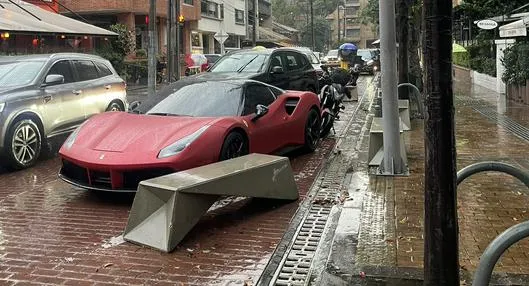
(42, 96)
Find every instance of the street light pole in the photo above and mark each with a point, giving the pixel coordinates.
(392, 162)
(177, 40)
(169, 49)
(151, 80)
(338, 22)
(255, 22)
(312, 25)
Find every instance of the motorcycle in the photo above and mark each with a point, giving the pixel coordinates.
(335, 87)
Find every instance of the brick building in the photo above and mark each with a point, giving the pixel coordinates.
(134, 14)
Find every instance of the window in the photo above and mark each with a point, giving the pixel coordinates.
(188, 2)
(86, 70)
(256, 94)
(352, 33)
(63, 68)
(351, 11)
(276, 91)
(276, 61)
(212, 9)
(293, 62)
(103, 69)
(239, 17)
(18, 73)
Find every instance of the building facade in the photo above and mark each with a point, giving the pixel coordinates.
(226, 17)
(346, 25)
(134, 14)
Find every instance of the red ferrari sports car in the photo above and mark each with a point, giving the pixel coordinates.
(189, 124)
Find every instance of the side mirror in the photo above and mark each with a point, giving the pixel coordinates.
(134, 105)
(277, 70)
(261, 110)
(53, 79)
(323, 61)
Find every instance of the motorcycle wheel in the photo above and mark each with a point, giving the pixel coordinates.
(327, 122)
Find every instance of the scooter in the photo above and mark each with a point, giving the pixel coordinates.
(331, 97)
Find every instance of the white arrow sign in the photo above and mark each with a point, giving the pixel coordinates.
(221, 37)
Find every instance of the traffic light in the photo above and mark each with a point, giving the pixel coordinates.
(181, 19)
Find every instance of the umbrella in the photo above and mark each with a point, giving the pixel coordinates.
(456, 48)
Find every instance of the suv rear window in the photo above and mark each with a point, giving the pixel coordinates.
(86, 70)
(103, 69)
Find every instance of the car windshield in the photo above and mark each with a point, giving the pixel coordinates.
(365, 54)
(332, 53)
(212, 58)
(313, 59)
(19, 73)
(241, 62)
(200, 99)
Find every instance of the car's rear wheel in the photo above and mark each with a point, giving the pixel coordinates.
(235, 145)
(115, 106)
(312, 131)
(23, 144)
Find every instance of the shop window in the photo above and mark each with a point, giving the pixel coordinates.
(239, 17)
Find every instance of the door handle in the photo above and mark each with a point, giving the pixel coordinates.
(108, 86)
(47, 98)
(77, 92)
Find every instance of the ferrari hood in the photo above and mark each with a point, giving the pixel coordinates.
(125, 132)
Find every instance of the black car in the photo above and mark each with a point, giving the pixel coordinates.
(285, 68)
(371, 60)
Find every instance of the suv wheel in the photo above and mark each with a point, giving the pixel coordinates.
(23, 144)
(114, 106)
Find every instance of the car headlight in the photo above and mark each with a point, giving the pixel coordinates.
(2, 105)
(181, 144)
(71, 139)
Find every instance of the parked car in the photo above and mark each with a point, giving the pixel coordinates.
(282, 67)
(331, 58)
(190, 123)
(314, 60)
(212, 59)
(371, 60)
(42, 96)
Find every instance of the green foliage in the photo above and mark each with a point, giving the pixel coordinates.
(321, 32)
(516, 62)
(141, 53)
(482, 9)
(461, 59)
(482, 57)
(118, 47)
(369, 14)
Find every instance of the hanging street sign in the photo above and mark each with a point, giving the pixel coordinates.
(487, 24)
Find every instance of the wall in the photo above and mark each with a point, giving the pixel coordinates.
(484, 80)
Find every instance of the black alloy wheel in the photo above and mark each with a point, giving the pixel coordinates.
(235, 145)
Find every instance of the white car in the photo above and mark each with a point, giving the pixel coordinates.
(331, 58)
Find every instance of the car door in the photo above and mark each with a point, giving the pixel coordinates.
(113, 84)
(90, 87)
(294, 71)
(266, 133)
(280, 80)
(62, 105)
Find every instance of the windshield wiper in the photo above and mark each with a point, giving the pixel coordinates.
(243, 67)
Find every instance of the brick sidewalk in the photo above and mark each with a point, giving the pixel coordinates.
(391, 234)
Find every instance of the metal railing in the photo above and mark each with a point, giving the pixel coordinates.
(507, 238)
(417, 97)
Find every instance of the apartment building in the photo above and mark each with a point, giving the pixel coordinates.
(134, 14)
(346, 25)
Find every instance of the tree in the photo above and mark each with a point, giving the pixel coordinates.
(118, 47)
(321, 34)
(482, 9)
(369, 14)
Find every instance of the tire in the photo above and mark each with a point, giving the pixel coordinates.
(115, 106)
(23, 144)
(312, 131)
(235, 145)
(326, 125)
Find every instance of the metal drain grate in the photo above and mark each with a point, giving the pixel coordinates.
(295, 268)
(502, 120)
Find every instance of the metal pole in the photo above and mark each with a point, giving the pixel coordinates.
(338, 22)
(246, 18)
(403, 47)
(392, 163)
(169, 31)
(177, 40)
(151, 80)
(255, 22)
(441, 241)
(312, 25)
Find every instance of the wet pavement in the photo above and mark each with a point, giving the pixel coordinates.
(390, 238)
(53, 233)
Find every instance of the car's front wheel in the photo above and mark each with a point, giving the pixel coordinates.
(235, 145)
(23, 144)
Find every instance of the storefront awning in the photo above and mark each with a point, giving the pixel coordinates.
(24, 17)
(515, 29)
